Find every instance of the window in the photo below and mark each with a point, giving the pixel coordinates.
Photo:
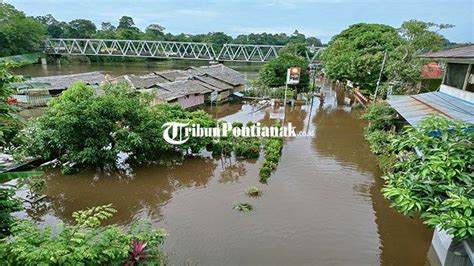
(455, 75)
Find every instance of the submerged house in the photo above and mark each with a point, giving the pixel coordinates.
(172, 75)
(222, 73)
(144, 82)
(38, 91)
(187, 93)
(454, 100)
(223, 90)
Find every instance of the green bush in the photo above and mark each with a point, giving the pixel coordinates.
(273, 149)
(84, 243)
(381, 116)
(379, 140)
(247, 147)
(438, 182)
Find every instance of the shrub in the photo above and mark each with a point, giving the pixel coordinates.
(84, 243)
(253, 191)
(379, 140)
(243, 207)
(265, 173)
(380, 116)
(438, 183)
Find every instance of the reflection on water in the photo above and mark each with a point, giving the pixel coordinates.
(249, 70)
(322, 206)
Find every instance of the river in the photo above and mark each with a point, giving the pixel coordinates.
(322, 206)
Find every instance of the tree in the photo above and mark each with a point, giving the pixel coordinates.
(403, 66)
(154, 32)
(423, 36)
(356, 53)
(19, 34)
(294, 48)
(10, 125)
(273, 73)
(81, 28)
(314, 41)
(53, 27)
(81, 128)
(218, 39)
(107, 26)
(126, 22)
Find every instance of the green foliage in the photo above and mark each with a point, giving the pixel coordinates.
(81, 128)
(423, 36)
(439, 183)
(4, 177)
(243, 207)
(273, 73)
(8, 202)
(273, 149)
(10, 124)
(378, 140)
(356, 53)
(19, 34)
(253, 191)
(84, 243)
(247, 147)
(380, 115)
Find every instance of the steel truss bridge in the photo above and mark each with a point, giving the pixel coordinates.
(170, 49)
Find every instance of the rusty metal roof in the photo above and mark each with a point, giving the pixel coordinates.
(465, 52)
(415, 107)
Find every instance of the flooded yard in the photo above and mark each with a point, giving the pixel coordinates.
(322, 205)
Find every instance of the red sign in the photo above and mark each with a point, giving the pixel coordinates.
(293, 75)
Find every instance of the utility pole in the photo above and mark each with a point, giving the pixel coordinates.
(380, 75)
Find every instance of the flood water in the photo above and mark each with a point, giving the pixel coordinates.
(249, 70)
(322, 206)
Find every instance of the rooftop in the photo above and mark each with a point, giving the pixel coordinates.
(177, 89)
(173, 75)
(146, 81)
(465, 52)
(65, 81)
(220, 72)
(415, 107)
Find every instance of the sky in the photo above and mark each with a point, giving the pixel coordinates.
(320, 18)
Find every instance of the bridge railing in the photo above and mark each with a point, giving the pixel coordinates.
(167, 49)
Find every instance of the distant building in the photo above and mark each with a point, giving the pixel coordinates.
(187, 93)
(38, 91)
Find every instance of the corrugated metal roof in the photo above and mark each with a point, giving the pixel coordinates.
(220, 72)
(173, 75)
(65, 81)
(146, 81)
(415, 107)
(466, 52)
(214, 83)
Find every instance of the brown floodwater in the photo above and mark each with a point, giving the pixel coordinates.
(322, 206)
(249, 70)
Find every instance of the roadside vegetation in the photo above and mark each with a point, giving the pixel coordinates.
(428, 169)
(85, 241)
(273, 149)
